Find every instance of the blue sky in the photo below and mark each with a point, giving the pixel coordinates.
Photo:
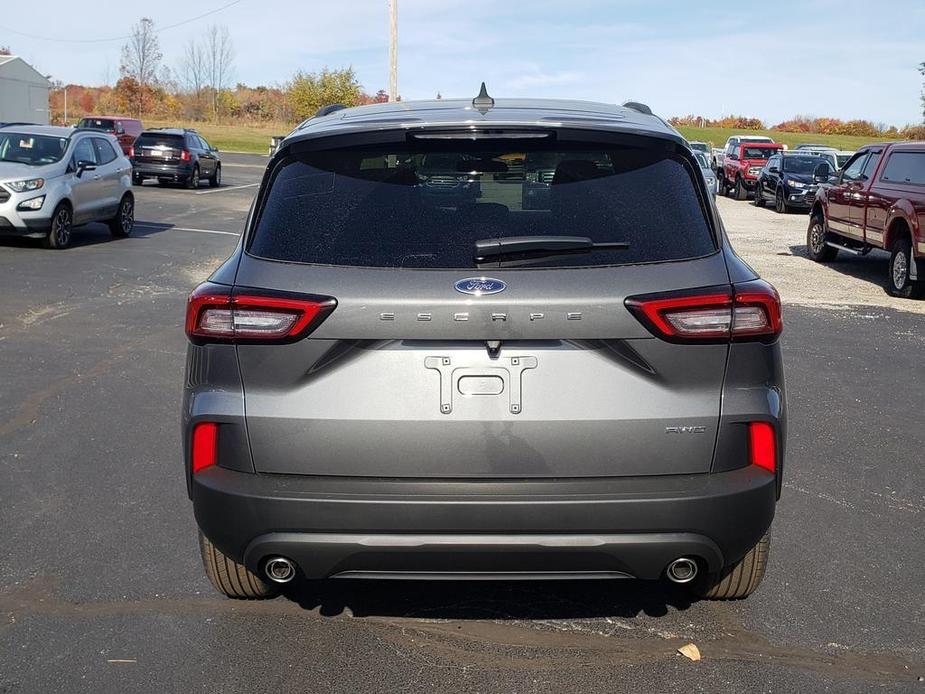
(772, 60)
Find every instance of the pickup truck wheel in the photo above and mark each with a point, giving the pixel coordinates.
(740, 192)
(759, 196)
(739, 580)
(898, 282)
(780, 206)
(816, 236)
(231, 578)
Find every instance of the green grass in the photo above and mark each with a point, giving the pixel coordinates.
(718, 137)
(231, 138)
(256, 138)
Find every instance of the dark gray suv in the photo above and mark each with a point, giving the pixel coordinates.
(387, 382)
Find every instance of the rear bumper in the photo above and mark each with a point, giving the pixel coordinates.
(507, 529)
(175, 172)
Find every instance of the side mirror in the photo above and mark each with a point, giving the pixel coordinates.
(773, 169)
(119, 129)
(734, 156)
(84, 166)
(213, 149)
(822, 172)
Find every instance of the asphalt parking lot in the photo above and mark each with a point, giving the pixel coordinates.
(101, 586)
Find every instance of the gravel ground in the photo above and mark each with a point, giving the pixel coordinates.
(775, 245)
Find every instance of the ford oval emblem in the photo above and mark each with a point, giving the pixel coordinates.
(480, 286)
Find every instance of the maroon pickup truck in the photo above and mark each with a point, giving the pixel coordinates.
(741, 166)
(878, 201)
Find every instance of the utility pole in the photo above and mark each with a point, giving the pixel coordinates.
(393, 50)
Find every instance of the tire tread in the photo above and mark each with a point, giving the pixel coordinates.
(739, 580)
(231, 578)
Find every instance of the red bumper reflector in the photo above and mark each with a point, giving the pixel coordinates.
(762, 445)
(205, 445)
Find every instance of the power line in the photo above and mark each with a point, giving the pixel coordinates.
(118, 38)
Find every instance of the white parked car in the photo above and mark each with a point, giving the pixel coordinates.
(706, 169)
(53, 179)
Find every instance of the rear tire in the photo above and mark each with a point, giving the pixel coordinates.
(816, 237)
(740, 192)
(898, 282)
(229, 577)
(122, 224)
(739, 580)
(215, 180)
(137, 180)
(193, 180)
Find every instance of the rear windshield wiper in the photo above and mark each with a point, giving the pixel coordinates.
(540, 246)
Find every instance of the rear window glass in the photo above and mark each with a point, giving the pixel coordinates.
(104, 124)
(425, 205)
(905, 167)
(155, 139)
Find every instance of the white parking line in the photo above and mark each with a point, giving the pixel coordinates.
(226, 189)
(198, 231)
(245, 166)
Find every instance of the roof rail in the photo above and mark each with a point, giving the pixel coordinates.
(330, 108)
(639, 108)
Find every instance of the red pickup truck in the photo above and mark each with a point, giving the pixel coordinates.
(742, 164)
(878, 201)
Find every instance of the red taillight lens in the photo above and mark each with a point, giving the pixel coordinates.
(215, 313)
(205, 445)
(757, 310)
(762, 445)
(131, 152)
(750, 310)
(184, 155)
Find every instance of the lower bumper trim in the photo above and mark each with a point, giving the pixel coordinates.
(485, 557)
(482, 576)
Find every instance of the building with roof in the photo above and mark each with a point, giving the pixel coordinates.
(23, 92)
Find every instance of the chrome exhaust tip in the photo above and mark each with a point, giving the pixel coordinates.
(279, 569)
(682, 570)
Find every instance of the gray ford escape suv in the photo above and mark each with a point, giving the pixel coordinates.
(387, 382)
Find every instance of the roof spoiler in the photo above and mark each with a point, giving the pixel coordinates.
(329, 109)
(638, 107)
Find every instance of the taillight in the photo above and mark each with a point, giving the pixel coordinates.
(746, 311)
(205, 445)
(216, 313)
(762, 445)
(185, 155)
(131, 152)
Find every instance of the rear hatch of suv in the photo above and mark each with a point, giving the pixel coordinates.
(462, 336)
(159, 148)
